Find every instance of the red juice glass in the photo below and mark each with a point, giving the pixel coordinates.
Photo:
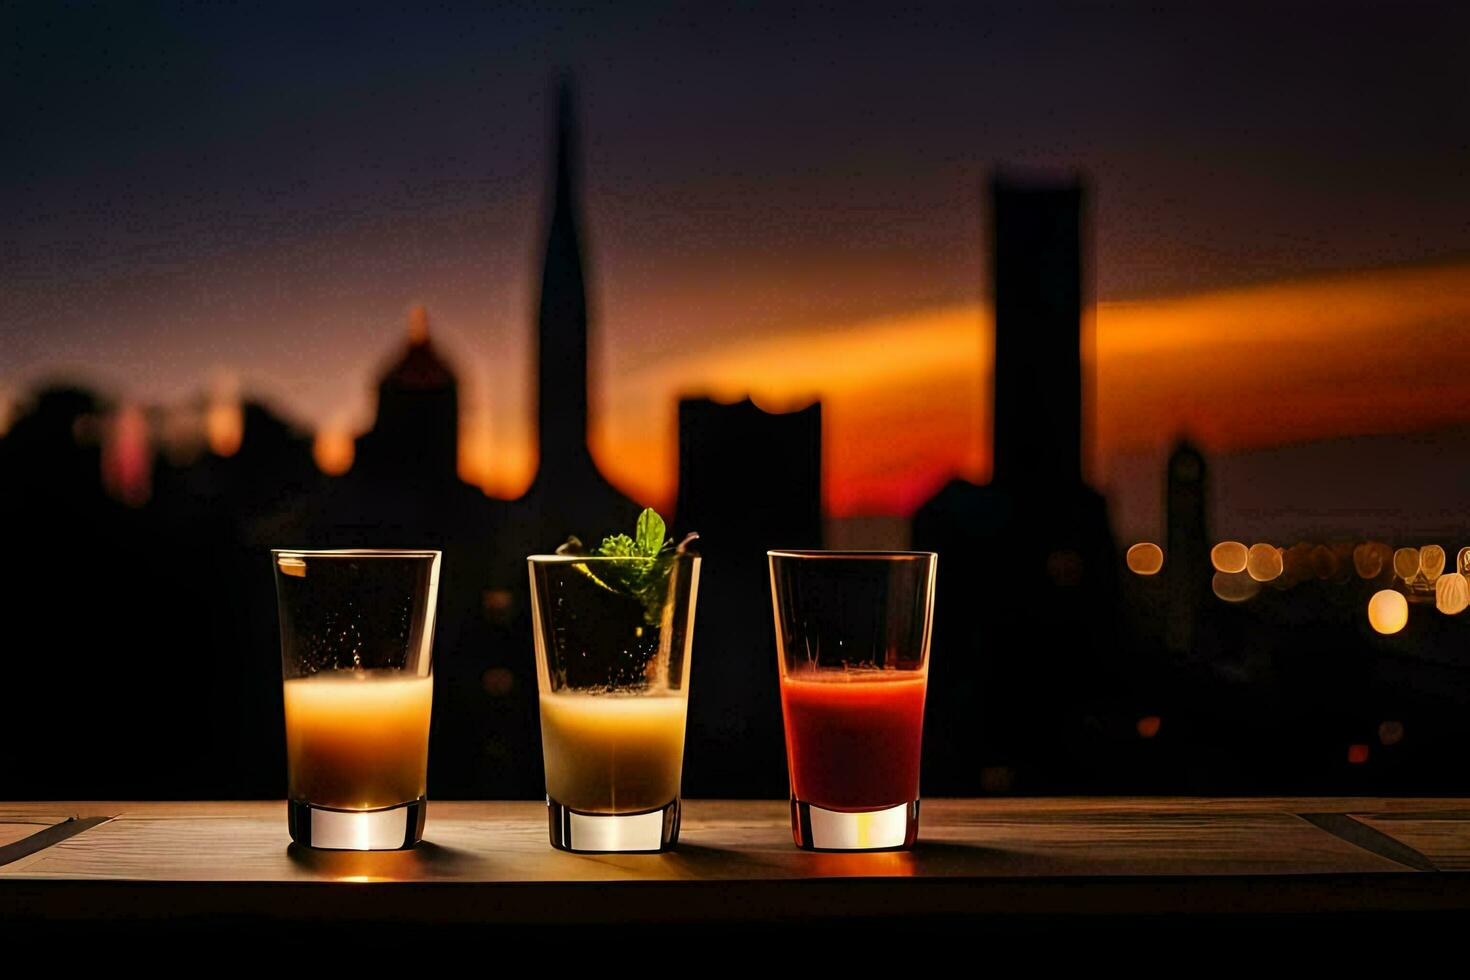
(852, 645)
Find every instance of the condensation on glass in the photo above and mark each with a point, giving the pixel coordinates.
(613, 642)
(357, 636)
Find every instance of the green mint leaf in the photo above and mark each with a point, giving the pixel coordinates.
(644, 574)
(650, 532)
(617, 546)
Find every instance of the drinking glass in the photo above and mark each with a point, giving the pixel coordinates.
(357, 634)
(852, 644)
(613, 642)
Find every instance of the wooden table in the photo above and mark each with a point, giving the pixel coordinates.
(979, 863)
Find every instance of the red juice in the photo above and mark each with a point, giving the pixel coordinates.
(853, 737)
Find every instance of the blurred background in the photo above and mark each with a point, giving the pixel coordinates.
(1153, 322)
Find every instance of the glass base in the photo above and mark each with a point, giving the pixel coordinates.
(392, 828)
(602, 833)
(818, 829)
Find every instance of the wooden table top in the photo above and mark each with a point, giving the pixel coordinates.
(490, 863)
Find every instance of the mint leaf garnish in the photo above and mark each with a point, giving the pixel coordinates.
(617, 546)
(644, 572)
(650, 532)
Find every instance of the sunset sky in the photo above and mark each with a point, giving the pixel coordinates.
(786, 204)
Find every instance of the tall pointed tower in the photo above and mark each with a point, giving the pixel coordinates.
(569, 495)
(561, 328)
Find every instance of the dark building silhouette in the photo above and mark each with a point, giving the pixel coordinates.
(74, 586)
(416, 433)
(404, 489)
(217, 517)
(1037, 293)
(569, 495)
(1186, 543)
(749, 481)
(1026, 594)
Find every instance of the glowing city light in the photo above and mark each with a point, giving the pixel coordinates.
(1406, 563)
(224, 416)
(1264, 562)
(1388, 611)
(1368, 559)
(1297, 562)
(1229, 557)
(127, 456)
(1431, 562)
(224, 423)
(1234, 586)
(333, 451)
(1451, 593)
(1145, 558)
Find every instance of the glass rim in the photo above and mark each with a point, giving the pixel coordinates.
(859, 554)
(554, 559)
(356, 553)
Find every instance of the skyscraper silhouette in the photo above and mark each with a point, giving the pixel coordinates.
(1025, 603)
(569, 495)
(748, 481)
(1037, 292)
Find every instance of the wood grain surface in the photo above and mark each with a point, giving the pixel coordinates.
(490, 863)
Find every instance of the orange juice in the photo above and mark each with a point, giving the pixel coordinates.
(358, 739)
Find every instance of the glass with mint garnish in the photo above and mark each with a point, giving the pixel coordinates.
(613, 628)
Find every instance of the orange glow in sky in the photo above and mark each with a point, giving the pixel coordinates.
(906, 397)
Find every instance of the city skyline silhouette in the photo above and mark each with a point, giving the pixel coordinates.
(779, 214)
(1059, 668)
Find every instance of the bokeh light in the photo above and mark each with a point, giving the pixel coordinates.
(224, 427)
(1391, 732)
(1235, 586)
(1297, 562)
(127, 456)
(1451, 593)
(333, 451)
(1462, 561)
(1264, 562)
(1406, 563)
(1228, 557)
(1145, 558)
(1367, 561)
(1148, 727)
(1357, 754)
(1431, 562)
(1388, 611)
